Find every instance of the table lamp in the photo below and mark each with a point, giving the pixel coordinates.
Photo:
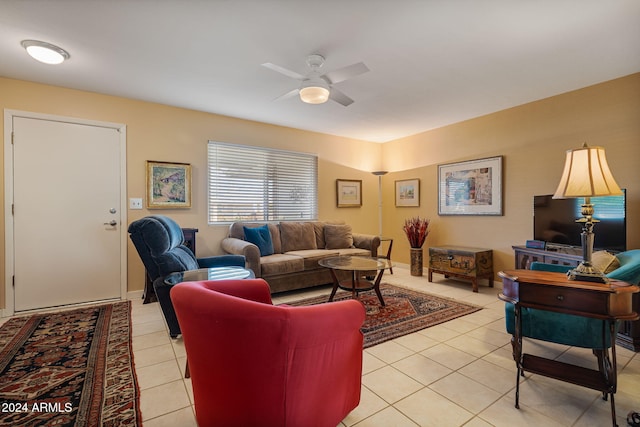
(586, 174)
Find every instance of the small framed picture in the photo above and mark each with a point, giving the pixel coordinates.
(168, 185)
(408, 192)
(348, 193)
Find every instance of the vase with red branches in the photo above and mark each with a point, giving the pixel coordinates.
(417, 230)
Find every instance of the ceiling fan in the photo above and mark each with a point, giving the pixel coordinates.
(316, 88)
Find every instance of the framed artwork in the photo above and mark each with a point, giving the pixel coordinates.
(348, 193)
(168, 185)
(473, 187)
(408, 192)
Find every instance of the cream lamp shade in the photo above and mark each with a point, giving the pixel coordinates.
(586, 174)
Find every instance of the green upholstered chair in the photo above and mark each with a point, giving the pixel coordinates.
(629, 270)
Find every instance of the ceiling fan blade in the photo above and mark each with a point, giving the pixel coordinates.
(344, 73)
(284, 71)
(288, 94)
(339, 97)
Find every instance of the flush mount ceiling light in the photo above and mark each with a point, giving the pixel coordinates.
(45, 52)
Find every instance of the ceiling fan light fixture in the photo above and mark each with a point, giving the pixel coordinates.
(314, 91)
(45, 52)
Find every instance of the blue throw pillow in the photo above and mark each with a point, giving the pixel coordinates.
(261, 237)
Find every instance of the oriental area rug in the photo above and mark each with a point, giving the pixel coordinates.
(405, 311)
(69, 368)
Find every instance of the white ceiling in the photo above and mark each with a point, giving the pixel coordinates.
(432, 62)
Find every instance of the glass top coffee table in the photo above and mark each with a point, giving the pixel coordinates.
(359, 266)
(213, 273)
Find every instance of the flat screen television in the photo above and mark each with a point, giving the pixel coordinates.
(554, 222)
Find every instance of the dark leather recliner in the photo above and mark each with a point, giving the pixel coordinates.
(160, 244)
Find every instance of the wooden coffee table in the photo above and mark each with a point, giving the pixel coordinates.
(359, 266)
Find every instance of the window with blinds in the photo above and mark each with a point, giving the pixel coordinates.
(261, 184)
(605, 207)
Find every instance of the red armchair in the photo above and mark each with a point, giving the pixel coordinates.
(256, 364)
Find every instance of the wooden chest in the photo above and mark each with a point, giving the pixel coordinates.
(462, 262)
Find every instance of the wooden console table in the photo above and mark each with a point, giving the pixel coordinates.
(549, 291)
(628, 332)
(462, 262)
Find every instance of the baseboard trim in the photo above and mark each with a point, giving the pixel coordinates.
(132, 295)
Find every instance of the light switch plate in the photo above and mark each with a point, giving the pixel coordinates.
(135, 203)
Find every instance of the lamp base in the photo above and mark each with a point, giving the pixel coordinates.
(587, 273)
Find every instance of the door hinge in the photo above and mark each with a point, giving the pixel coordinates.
(13, 209)
(12, 134)
(13, 281)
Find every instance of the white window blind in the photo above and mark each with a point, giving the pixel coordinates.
(261, 184)
(605, 207)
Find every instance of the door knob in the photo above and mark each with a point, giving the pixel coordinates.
(112, 223)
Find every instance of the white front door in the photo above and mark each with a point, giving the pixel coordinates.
(67, 213)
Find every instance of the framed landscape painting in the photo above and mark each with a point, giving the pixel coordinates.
(473, 187)
(348, 193)
(168, 185)
(408, 192)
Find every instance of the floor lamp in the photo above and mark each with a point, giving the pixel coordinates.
(379, 174)
(586, 174)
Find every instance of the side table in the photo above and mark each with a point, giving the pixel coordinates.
(388, 256)
(549, 291)
(629, 330)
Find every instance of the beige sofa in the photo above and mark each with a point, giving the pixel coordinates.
(297, 248)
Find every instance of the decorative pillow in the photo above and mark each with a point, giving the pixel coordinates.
(261, 237)
(338, 236)
(318, 227)
(297, 236)
(604, 261)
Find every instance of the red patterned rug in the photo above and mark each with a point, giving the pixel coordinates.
(405, 311)
(71, 368)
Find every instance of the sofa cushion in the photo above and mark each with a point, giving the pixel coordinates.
(604, 261)
(261, 237)
(354, 251)
(318, 227)
(312, 256)
(236, 230)
(338, 236)
(281, 264)
(297, 236)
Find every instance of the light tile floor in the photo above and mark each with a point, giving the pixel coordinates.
(460, 373)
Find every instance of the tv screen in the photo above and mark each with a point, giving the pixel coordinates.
(554, 221)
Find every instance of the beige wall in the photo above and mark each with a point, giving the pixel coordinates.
(163, 133)
(532, 138)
